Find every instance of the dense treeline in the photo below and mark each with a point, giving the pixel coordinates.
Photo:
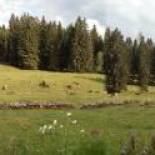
(31, 43)
(128, 62)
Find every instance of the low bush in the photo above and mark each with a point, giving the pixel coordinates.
(44, 84)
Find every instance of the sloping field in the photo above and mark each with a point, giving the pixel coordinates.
(42, 87)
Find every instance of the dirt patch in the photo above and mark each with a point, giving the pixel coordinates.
(35, 106)
(112, 104)
(55, 106)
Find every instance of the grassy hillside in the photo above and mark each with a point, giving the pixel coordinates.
(20, 129)
(22, 85)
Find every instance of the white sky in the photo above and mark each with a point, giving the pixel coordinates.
(131, 16)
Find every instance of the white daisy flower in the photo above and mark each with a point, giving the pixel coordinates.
(55, 122)
(74, 122)
(45, 127)
(50, 127)
(40, 129)
(61, 126)
(43, 131)
(82, 130)
(69, 114)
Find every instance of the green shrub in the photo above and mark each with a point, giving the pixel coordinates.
(44, 84)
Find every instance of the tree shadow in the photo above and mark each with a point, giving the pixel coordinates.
(98, 79)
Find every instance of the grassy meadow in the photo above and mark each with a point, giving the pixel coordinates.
(20, 133)
(85, 132)
(72, 88)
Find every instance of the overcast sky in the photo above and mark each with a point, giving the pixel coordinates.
(131, 16)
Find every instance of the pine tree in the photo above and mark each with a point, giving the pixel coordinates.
(66, 47)
(57, 51)
(97, 43)
(81, 55)
(50, 44)
(150, 46)
(130, 54)
(43, 39)
(144, 64)
(28, 46)
(152, 68)
(153, 62)
(53, 43)
(29, 43)
(134, 59)
(107, 43)
(3, 44)
(13, 40)
(116, 73)
(99, 62)
(129, 47)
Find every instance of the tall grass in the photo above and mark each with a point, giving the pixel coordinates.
(91, 146)
(72, 139)
(100, 130)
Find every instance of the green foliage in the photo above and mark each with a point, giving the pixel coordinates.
(30, 43)
(134, 59)
(48, 49)
(97, 45)
(43, 44)
(134, 147)
(23, 42)
(129, 148)
(99, 62)
(55, 54)
(116, 63)
(130, 55)
(91, 146)
(107, 44)
(21, 134)
(14, 27)
(82, 53)
(144, 64)
(28, 47)
(3, 44)
(66, 48)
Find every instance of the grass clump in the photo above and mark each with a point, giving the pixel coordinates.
(5, 87)
(91, 146)
(44, 84)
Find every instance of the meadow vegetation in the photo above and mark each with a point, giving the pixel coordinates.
(54, 87)
(59, 66)
(105, 131)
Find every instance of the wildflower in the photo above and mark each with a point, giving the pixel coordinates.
(69, 114)
(61, 126)
(40, 129)
(43, 131)
(74, 122)
(45, 127)
(82, 130)
(55, 122)
(50, 127)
